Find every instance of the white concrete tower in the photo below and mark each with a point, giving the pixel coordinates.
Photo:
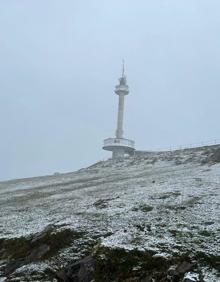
(119, 145)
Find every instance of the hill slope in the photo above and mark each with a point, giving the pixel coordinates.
(165, 204)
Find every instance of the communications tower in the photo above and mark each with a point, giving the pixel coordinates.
(119, 146)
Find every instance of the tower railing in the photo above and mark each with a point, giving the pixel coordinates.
(121, 88)
(119, 142)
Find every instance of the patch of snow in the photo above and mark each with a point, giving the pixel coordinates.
(194, 277)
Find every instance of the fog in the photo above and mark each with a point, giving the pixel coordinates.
(60, 62)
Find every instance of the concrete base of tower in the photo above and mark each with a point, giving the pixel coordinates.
(119, 147)
(119, 153)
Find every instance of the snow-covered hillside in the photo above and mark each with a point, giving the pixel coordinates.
(166, 203)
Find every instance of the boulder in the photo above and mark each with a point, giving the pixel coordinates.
(184, 267)
(81, 271)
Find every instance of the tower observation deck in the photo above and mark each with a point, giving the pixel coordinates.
(119, 146)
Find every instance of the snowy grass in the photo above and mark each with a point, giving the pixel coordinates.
(165, 202)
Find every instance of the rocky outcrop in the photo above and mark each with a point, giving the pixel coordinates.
(43, 245)
(120, 265)
(81, 271)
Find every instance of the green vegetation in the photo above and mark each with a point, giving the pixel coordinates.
(205, 233)
(143, 207)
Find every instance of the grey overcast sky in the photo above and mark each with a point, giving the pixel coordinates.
(59, 64)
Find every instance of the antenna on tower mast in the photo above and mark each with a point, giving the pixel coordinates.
(123, 68)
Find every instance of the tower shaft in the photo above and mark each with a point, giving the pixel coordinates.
(119, 131)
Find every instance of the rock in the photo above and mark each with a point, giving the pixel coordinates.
(106, 264)
(38, 252)
(172, 271)
(35, 255)
(41, 235)
(176, 271)
(82, 271)
(184, 267)
(25, 250)
(12, 266)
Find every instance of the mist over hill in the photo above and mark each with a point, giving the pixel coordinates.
(151, 217)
